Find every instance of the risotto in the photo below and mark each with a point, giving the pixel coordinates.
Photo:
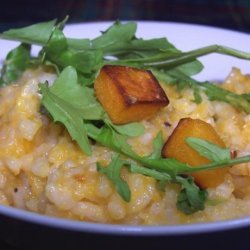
(42, 170)
(115, 129)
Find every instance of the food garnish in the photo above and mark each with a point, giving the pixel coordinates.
(73, 100)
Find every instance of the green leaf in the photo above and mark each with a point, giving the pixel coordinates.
(34, 34)
(157, 175)
(108, 137)
(81, 98)
(85, 61)
(216, 93)
(190, 56)
(79, 44)
(209, 150)
(158, 144)
(57, 42)
(113, 172)
(140, 48)
(191, 198)
(132, 129)
(182, 81)
(117, 33)
(70, 103)
(191, 68)
(115, 37)
(16, 62)
(65, 113)
(111, 38)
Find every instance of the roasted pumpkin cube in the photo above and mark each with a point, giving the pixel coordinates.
(176, 147)
(129, 94)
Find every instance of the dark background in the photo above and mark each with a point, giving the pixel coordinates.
(231, 14)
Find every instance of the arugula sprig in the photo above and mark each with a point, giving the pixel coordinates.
(16, 62)
(113, 172)
(119, 45)
(117, 142)
(209, 150)
(191, 198)
(214, 92)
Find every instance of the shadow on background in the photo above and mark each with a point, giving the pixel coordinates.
(232, 14)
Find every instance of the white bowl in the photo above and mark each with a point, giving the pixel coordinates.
(32, 230)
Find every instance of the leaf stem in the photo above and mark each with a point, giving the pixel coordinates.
(193, 54)
(223, 163)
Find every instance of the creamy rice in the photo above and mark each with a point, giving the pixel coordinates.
(43, 171)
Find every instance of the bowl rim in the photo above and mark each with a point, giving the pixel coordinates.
(118, 229)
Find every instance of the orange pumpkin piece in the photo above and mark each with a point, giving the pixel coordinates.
(129, 94)
(176, 147)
